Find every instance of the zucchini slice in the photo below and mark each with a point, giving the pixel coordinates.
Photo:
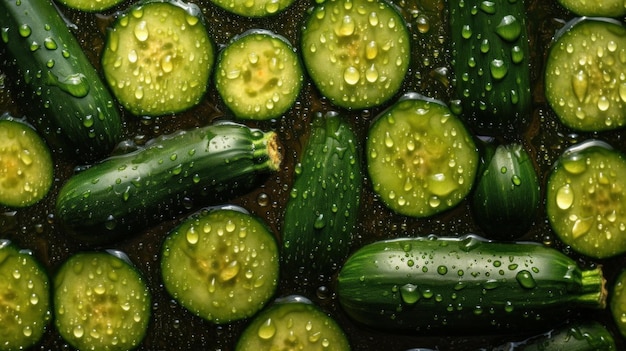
(26, 167)
(24, 298)
(259, 75)
(101, 302)
(584, 75)
(293, 323)
(158, 57)
(585, 199)
(357, 52)
(420, 157)
(221, 264)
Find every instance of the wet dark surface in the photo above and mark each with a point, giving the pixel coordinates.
(174, 328)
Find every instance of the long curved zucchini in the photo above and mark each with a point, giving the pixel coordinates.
(321, 213)
(68, 89)
(464, 285)
(171, 173)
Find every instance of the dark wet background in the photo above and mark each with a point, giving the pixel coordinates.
(172, 327)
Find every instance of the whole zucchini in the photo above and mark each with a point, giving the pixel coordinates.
(506, 196)
(575, 336)
(170, 174)
(67, 88)
(466, 284)
(321, 213)
(491, 57)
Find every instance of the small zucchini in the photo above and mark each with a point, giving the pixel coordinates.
(124, 193)
(506, 196)
(491, 64)
(322, 210)
(60, 77)
(464, 285)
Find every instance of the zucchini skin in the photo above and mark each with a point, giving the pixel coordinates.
(576, 336)
(491, 63)
(169, 175)
(464, 285)
(69, 92)
(507, 193)
(322, 210)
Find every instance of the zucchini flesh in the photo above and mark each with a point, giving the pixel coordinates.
(61, 78)
(25, 306)
(170, 174)
(466, 284)
(158, 57)
(490, 55)
(322, 210)
(101, 301)
(293, 323)
(221, 264)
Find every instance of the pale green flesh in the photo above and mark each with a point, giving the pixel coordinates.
(259, 76)
(586, 204)
(101, 303)
(293, 325)
(221, 265)
(421, 158)
(357, 53)
(585, 81)
(158, 58)
(24, 299)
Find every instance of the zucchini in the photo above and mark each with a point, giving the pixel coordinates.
(221, 264)
(171, 173)
(617, 302)
(256, 8)
(585, 200)
(259, 75)
(293, 323)
(322, 210)
(506, 196)
(26, 166)
(490, 60)
(357, 52)
(25, 304)
(421, 158)
(60, 77)
(158, 57)
(101, 302)
(575, 336)
(584, 74)
(464, 285)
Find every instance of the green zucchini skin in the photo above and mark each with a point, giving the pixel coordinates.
(506, 196)
(491, 64)
(72, 98)
(576, 336)
(464, 285)
(168, 175)
(322, 210)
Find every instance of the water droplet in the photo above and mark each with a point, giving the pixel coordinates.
(442, 270)
(25, 30)
(351, 75)
(409, 293)
(192, 236)
(488, 7)
(509, 28)
(141, 31)
(525, 279)
(346, 28)
(267, 330)
(564, 197)
(466, 31)
(498, 68)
